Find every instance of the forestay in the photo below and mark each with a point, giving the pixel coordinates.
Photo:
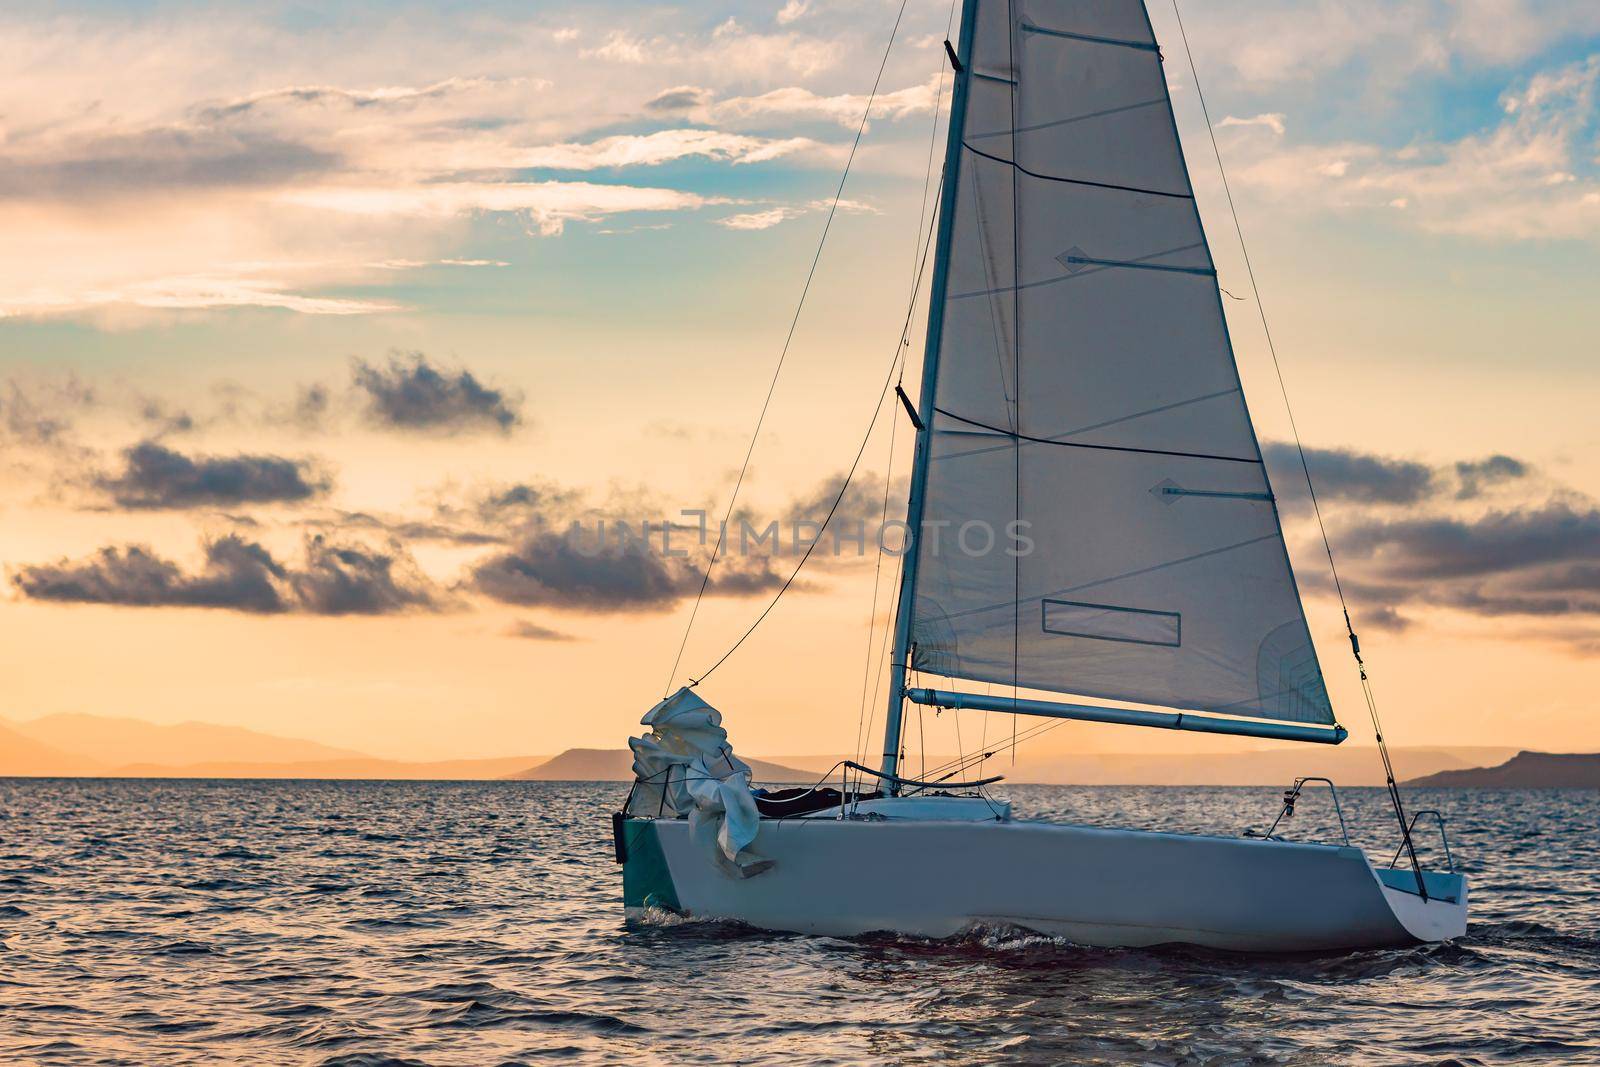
(1086, 387)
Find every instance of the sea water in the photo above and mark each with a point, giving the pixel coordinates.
(170, 922)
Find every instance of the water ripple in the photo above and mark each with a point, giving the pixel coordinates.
(356, 924)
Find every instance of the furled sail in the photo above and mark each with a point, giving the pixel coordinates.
(1085, 387)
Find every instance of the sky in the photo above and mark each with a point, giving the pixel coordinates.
(320, 324)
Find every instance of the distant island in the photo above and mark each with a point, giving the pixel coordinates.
(1525, 770)
(100, 746)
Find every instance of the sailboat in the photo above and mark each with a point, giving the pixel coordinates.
(1078, 382)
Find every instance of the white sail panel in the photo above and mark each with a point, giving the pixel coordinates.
(1086, 387)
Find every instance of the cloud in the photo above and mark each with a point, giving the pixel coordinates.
(1477, 476)
(42, 415)
(532, 631)
(796, 102)
(1413, 536)
(355, 580)
(619, 47)
(353, 99)
(222, 291)
(1345, 474)
(679, 98)
(554, 570)
(1528, 177)
(165, 158)
(311, 406)
(731, 50)
(549, 205)
(407, 391)
(236, 574)
(1384, 617)
(1271, 120)
(1364, 478)
(759, 220)
(410, 393)
(663, 146)
(135, 187)
(593, 570)
(154, 476)
(1534, 562)
(240, 575)
(862, 502)
(765, 220)
(404, 530)
(1496, 543)
(792, 10)
(1307, 41)
(505, 509)
(633, 552)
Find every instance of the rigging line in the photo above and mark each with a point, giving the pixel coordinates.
(922, 743)
(1305, 467)
(967, 760)
(877, 675)
(877, 571)
(844, 486)
(822, 240)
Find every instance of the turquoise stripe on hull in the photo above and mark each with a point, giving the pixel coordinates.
(646, 878)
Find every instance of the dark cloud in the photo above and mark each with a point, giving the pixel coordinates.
(1501, 541)
(323, 95)
(1384, 617)
(1364, 478)
(635, 552)
(1345, 474)
(166, 159)
(581, 570)
(680, 98)
(509, 508)
(165, 420)
(1578, 640)
(311, 407)
(576, 572)
(409, 529)
(42, 415)
(1476, 476)
(862, 502)
(1576, 577)
(239, 575)
(355, 580)
(1534, 562)
(155, 476)
(410, 393)
(532, 631)
(236, 574)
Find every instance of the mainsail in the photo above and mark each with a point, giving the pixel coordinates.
(1081, 383)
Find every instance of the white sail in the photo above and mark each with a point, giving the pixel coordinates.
(1086, 387)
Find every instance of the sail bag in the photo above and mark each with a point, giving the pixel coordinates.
(684, 767)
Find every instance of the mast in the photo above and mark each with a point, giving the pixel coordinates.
(901, 654)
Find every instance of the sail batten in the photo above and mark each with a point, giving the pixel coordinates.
(1101, 420)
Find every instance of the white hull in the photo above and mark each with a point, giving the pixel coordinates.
(936, 877)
